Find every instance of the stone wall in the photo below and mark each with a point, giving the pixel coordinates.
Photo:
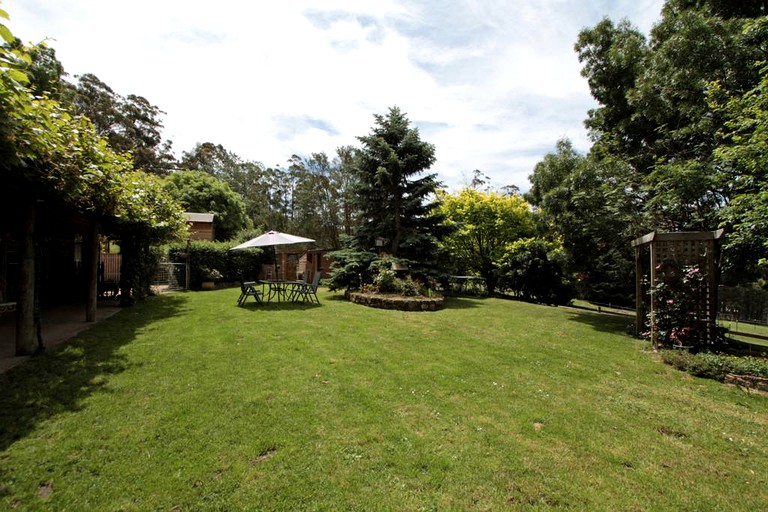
(398, 302)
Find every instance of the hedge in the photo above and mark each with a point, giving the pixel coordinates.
(207, 256)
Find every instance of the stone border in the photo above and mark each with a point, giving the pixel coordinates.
(748, 381)
(397, 302)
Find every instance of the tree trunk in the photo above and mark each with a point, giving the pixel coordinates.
(26, 333)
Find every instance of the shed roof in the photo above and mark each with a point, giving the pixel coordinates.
(678, 236)
(198, 217)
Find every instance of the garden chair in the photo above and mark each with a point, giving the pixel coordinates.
(309, 290)
(248, 289)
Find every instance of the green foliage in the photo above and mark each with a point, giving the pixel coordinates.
(311, 197)
(146, 211)
(584, 201)
(715, 366)
(655, 114)
(533, 269)
(201, 192)
(483, 225)
(351, 268)
(679, 299)
(744, 154)
(131, 124)
(391, 199)
(215, 261)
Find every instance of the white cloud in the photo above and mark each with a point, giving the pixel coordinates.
(492, 84)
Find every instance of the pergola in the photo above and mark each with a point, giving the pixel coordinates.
(699, 248)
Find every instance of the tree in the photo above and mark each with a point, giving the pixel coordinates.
(391, 201)
(145, 214)
(654, 114)
(131, 124)
(214, 159)
(534, 270)
(198, 191)
(49, 156)
(584, 201)
(484, 224)
(744, 154)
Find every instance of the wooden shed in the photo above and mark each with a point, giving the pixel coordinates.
(698, 249)
(200, 225)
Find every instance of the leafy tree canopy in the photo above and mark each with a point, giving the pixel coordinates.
(200, 192)
(131, 124)
(484, 224)
(654, 111)
(585, 204)
(745, 154)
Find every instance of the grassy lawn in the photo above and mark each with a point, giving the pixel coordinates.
(187, 402)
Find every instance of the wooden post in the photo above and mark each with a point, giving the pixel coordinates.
(654, 262)
(92, 260)
(25, 309)
(638, 292)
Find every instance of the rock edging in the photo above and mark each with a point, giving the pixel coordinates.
(748, 381)
(397, 302)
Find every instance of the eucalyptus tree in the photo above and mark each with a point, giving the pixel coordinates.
(319, 198)
(130, 124)
(343, 186)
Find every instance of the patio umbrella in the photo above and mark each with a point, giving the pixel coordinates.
(273, 238)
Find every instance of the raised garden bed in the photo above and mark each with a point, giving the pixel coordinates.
(398, 302)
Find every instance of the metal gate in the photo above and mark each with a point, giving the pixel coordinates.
(170, 277)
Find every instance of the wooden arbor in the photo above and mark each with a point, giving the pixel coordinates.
(681, 249)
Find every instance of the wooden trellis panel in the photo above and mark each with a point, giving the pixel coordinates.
(684, 249)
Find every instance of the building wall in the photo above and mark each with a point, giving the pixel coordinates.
(201, 231)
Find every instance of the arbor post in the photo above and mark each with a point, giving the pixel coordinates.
(25, 309)
(92, 276)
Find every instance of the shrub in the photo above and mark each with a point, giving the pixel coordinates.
(532, 269)
(385, 281)
(350, 269)
(715, 366)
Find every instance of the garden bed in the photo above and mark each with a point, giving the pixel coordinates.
(398, 302)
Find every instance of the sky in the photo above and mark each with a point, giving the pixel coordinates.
(492, 84)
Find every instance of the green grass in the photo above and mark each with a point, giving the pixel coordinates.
(735, 327)
(187, 402)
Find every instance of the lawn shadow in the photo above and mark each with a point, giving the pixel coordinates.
(59, 380)
(603, 322)
(280, 306)
(456, 302)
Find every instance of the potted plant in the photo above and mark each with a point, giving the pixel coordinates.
(210, 276)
